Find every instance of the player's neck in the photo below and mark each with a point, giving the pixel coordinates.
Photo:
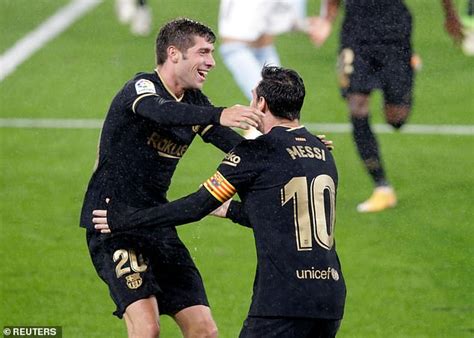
(170, 84)
(278, 122)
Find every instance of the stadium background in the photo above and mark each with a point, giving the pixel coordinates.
(408, 270)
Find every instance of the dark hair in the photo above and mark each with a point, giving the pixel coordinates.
(283, 90)
(180, 33)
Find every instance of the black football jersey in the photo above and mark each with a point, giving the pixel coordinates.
(287, 181)
(375, 22)
(145, 134)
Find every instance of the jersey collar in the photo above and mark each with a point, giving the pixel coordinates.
(288, 129)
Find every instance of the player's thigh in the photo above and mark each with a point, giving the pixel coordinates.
(179, 279)
(397, 75)
(142, 316)
(358, 104)
(355, 70)
(124, 267)
(287, 327)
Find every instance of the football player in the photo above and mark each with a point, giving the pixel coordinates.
(376, 53)
(150, 124)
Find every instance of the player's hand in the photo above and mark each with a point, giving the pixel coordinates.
(222, 210)
(328, 143)
(100, 221)
(241, 117)
(319, 30)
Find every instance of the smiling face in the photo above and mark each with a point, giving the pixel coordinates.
(184, 50)
(193, 65)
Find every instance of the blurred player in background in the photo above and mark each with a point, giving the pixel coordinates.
(375, 53)
(468, 24)
(150, 124)
(247, 30)
(136, 13)
(287, 181)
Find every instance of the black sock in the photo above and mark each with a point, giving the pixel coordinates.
(368, 149)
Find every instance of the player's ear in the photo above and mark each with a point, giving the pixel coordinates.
(261, 104)
(173, 54)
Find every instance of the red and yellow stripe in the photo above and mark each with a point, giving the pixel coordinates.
(219, 187)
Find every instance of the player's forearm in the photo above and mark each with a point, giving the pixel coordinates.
(172, 113)
(237, 215)
(223, 138)
(182, 211)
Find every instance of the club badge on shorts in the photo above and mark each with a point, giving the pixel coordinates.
(134, 281)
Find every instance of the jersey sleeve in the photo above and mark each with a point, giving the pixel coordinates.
(237, 214)
(223, 138)
(144, 99)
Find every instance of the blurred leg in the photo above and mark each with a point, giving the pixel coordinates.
(383, 196)
(125, 10)
(364, 137)
(142, 19)
(267, 55)
(243, 65)
(396, 115)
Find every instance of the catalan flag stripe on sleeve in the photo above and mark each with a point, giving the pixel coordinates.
(219, 187)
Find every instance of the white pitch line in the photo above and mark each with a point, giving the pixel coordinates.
(432, 129)
(51, 123)
(45, 32)
(441, 129)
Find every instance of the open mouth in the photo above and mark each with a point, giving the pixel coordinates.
(202, 74)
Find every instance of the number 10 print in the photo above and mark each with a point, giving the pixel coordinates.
(309, 210)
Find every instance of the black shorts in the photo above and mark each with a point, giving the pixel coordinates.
(263, 327)
(363, 68)
(136, 265)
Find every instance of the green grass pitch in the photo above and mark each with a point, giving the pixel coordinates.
(408, 270)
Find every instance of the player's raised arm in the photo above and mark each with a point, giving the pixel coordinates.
(173, 113)
(241, 116)
(221, 137)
